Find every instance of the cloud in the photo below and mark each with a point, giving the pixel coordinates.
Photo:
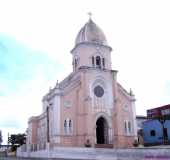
(26, 75)
(18, 64)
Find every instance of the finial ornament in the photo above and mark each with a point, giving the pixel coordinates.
(57, 84)
(90, 15)
(130, 92)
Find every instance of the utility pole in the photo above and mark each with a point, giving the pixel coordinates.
(48, 136)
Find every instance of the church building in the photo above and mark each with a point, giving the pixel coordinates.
(89, 108)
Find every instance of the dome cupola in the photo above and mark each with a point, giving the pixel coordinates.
(91, 33)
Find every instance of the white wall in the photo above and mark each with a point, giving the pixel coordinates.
(99, 153)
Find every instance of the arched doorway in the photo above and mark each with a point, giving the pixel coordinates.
(101, 131)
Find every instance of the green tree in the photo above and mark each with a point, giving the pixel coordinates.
(16, 140)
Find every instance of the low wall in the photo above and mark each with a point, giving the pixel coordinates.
(3, 153)
(100, 154)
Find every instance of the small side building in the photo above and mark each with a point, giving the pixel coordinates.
(156, 130)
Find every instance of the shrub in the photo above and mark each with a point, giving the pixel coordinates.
(87, 144)
(135, 143)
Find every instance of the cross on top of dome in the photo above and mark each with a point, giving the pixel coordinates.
(90, 15)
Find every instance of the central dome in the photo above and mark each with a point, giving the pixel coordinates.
(91, 33)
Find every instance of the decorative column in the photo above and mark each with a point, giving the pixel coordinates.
(110, 136)
(134, 114)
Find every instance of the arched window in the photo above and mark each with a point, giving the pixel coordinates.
(98, 61)
(129, 127)
(70, 123)
(93, 61)
(70, 126)
(75, 62)
(65, 123)
(103, 62)
(125, 127)
(65, 126)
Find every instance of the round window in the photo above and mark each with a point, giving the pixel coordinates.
(98, 91)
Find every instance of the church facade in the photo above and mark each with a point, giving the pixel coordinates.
(89, 108)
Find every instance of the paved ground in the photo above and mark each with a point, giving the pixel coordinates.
(14, 158)
(141, 153)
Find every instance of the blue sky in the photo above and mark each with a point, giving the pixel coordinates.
(18, 64)
(36, 37)
(19, 68)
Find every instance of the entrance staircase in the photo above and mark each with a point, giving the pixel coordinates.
(103, 145)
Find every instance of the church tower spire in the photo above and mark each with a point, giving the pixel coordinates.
(91, 48)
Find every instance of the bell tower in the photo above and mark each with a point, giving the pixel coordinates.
(91, 48)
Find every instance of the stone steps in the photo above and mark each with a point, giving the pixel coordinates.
(103, 145)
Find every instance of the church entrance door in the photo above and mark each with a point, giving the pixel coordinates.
(102, 131)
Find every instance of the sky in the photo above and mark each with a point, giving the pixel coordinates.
(36, 37)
